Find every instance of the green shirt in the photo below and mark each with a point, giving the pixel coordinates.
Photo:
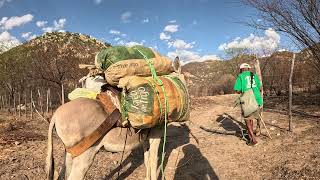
(243, 84)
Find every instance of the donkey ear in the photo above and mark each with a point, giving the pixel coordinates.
(177, 65)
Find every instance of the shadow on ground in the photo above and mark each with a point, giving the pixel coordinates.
(178, 136)
(194, 165)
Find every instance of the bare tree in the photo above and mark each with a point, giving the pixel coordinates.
(299, 19)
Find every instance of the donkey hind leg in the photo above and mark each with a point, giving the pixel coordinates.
(66, 168)
(146, 160)
(82, 163)
(68, 165)
(152, 154)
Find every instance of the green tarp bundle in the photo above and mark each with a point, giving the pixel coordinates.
(112, 55)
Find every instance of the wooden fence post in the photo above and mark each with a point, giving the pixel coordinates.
(25, 104)
(258, 72)
(14, 105)
(9, 104)
(1, 107)
(290, 93)
(50, 102)
(19, 104)
(31, 107)
(40, 104)
(47, 108)
(62, 94)
(5, 100)
(3, 103)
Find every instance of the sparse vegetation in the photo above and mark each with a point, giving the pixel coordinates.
(47, 61)
(206, 79)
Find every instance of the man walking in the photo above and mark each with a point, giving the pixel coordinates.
(245, 81)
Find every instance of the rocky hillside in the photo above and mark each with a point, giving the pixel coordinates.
(48, 61)
(218, 77)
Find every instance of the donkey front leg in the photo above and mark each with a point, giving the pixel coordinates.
(82, 163)
(147, 160)
(152, 155)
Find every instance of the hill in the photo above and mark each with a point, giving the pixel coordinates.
(48, 61)
(217, 77)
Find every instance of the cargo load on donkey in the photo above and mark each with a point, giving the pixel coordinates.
(133, 95)
(147, 99)
(120, 61)
(143, 101)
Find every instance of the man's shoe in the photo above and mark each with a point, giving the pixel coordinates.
(251, 143)
(257, 132)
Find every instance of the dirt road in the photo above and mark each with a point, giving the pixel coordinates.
(213, 149)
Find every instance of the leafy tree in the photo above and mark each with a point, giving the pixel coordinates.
(299, 19)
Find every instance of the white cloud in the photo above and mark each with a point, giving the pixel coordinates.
(173, 21)
(184, 55)
(164, 36)
(26, 35)
(282, 50)
(41, 24)
(3, 1)
(255, 44)
(191, 56)
(6, 36)
(32, 37)
(97, 1)
(7, 41)
(171, 28)
(15, 21)
(123, 35)
(125, 17)
(121, 42)
(57, 26)
(129, 44)
(209, 57)
(132, 43)
(145, 20)
(115, 32)
(154, 47)
(181, 44)
(116, 39)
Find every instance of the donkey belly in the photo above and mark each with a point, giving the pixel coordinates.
(118, 138)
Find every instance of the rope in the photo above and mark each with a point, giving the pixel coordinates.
(38, 112)
(158, 81)
(124, 146)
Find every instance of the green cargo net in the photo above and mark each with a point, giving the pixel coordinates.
(160, 83)
(106, 57)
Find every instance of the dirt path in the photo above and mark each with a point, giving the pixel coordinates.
(215, 156)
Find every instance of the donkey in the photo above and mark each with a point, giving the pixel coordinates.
(81, 116)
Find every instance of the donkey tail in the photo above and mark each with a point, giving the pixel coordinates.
(50, 159)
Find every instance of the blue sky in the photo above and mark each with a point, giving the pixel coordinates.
(193, 29)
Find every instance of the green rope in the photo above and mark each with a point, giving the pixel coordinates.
(158, 98)
(160, 83)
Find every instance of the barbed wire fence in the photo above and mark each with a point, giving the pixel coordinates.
(34, 101)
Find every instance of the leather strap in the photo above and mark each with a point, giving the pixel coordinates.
(89, 140)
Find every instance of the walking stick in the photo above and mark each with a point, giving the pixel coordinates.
(265, 126)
